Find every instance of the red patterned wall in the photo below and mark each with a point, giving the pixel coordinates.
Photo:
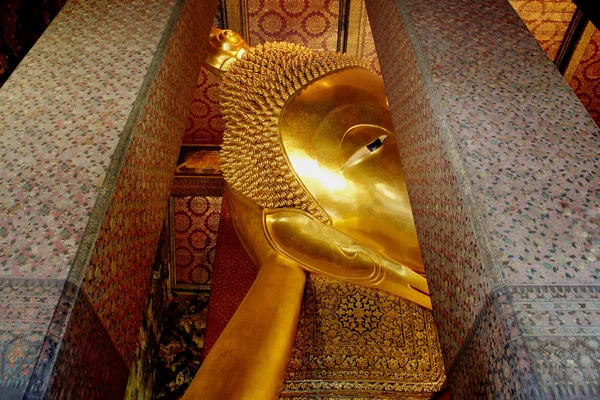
(312, 23)
(586, 80)
(233, 276)
(547, 20)
(205, 124)
(196, 227)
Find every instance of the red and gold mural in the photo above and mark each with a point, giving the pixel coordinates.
(205, 125)
(196, 226)
(311, 23)
(585, 81)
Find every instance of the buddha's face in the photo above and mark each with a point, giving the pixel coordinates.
(351, 166)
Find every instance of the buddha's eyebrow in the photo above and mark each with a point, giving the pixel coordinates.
(375, 131)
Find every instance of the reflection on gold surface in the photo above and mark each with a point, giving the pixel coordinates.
(342, 124)
(314, 184)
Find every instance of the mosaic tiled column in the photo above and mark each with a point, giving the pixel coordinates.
(90, 128)
(503, 171)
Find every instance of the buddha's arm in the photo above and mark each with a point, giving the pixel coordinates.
(250, 357)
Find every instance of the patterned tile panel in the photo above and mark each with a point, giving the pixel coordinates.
(117, 279)
(28, 304)
(547, 20)
(561, 327)
(26, 307)
(311, 23)
(558, 344)
(42, 373)
(89, 365)
(196, 227)
(20, 351)
(539, 198)
(95, 68)
(359, 340)
(61, 115)
(494, 362)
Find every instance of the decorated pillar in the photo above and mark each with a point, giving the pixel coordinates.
(501, 162)
(90, 128)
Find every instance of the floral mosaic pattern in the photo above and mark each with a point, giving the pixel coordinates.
(359, 316)
(352, 338)
(196, 227)
(26, 306)
(311, 23)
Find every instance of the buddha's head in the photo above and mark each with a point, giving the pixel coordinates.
(312, 131)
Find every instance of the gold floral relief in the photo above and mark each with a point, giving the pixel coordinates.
(364, 343)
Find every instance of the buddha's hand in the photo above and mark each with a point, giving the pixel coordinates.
(322, 249)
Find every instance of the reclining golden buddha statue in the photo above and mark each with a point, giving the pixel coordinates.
(314, 184)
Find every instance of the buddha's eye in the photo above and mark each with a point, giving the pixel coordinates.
(375, 144)
(365, 150)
